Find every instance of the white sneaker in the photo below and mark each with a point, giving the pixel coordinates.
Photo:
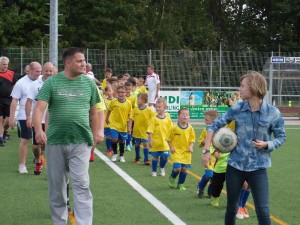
(154, 174)
(22, 168)
(114, 158)
(122, 159)
(162, 172)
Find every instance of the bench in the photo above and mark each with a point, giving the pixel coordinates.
(289, 111)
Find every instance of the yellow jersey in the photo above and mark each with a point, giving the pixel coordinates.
(181, 138)
(143, 89)
(107, 103)
(120, 112)
(131, 100)
(100, 105)
(104, 82)
(160, 129)
(141, 118)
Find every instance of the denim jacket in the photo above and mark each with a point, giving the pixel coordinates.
(258, 125)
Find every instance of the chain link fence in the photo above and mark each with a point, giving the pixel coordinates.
(177, 68)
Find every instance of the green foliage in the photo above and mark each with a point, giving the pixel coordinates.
(240, 25)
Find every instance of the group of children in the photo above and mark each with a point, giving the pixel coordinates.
(128, 113)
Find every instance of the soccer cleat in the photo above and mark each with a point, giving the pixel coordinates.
(200, 192)
(245, 213)
(181, 187)
(22, 169)
(215, 201)
(114, 157)
(137, 161)
(128, 148)
(162, 172)
(154, 174)
(240, 214)
(147, 163)
(122, 159)
(38, 168)
(1, 143)
(92, 157)
(171, 182)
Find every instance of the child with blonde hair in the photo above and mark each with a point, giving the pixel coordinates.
(158, 131)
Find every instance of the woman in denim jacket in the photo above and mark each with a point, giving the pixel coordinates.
(256, 121)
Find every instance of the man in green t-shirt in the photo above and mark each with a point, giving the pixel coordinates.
(73, 128)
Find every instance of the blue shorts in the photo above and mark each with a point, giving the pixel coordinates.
(160, 154)
(23, 131)
(180, 165)
(120, 135)
(106, 131)
(139, 140)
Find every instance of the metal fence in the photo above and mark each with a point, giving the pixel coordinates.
(175, 67)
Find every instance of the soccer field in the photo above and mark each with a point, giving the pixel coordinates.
(24, 197)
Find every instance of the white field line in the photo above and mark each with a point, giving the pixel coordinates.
(164, 210)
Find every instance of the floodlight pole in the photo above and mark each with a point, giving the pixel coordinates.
(53, 47)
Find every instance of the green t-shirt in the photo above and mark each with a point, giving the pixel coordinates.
(69, 102)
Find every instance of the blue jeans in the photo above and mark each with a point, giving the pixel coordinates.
(258, 182)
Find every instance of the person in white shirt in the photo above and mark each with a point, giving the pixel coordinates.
(19, 95)
(48, 71)
(153, 83)
(90, 74)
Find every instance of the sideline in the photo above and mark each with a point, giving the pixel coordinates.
(164, 210)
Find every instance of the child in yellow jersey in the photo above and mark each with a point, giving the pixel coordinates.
(141, 85)
(209, 117)
(108, 74)
(158, 131)
(117, 117)
(108, 91)
(101, 107)
(141, 115)
(181, 142)
(130, 98)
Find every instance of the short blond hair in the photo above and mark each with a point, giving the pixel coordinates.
(162, 100)
(257, 83)
(213, 114)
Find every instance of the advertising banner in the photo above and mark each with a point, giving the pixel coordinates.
(199, 101)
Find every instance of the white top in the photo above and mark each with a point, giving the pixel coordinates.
(33, 91)
(90, 75)
(19, 92)
(152, 81)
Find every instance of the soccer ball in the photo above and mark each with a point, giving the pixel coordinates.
(224, 140)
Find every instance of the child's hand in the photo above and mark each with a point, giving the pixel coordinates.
(217, 154)
(150, 143)
(107, 121)
(191, 149)
(172, 149)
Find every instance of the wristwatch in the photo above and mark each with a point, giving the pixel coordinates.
(204, 151)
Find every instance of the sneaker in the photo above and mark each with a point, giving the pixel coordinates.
(128, 148)
(114, 157)
(22, 169)
(109, 153)
(147, 163)
(181, 187)
(240, 214)
(1, 143)
(162, 172)
(154, 174)
(137, 161)
(215, 201)
(245, 213)
(200, 192)
(92, 157)
(38, 168)
(171, 182)
(122, 159)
